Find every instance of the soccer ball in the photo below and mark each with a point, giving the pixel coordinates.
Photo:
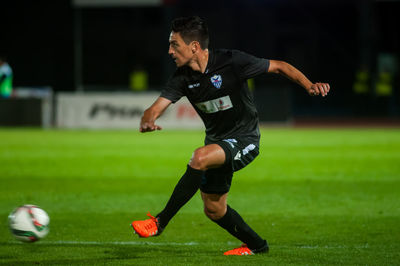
(29, 223)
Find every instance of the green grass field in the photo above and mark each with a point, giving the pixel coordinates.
(319, 197)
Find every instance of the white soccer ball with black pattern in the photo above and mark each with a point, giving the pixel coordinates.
(29, 223)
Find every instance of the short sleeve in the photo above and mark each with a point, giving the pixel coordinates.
(249, 66)
(173, 90)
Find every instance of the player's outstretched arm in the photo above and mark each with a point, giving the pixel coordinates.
(152, 113)
(292, 73)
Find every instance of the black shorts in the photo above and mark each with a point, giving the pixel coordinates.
(239, 152)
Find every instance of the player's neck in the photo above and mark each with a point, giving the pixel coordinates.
(199, 61)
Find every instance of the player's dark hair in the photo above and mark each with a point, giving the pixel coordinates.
(192, 29)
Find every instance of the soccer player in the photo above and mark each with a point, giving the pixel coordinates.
(215, 82)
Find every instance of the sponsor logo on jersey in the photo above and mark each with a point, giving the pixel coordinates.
(216, 80)
(216, 105)
(195, 85)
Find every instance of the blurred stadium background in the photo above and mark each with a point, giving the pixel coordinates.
(114, 54)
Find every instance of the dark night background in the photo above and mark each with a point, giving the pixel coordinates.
(327, 40)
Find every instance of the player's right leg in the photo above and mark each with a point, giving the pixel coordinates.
(209, 156)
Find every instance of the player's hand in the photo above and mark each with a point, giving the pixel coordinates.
(148, 127)
(319, 89)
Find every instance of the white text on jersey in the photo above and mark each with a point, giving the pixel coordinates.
(216, 105)
(191, 86)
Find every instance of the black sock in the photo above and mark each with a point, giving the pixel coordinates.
(236, 226)
(183, 192)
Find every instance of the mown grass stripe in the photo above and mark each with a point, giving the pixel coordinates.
(144, 243)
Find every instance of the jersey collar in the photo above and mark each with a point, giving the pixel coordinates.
(210, 61)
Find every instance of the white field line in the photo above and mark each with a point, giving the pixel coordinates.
(144, 243)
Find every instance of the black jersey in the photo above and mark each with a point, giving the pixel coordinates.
(220, 95)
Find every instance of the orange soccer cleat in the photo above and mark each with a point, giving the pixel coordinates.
(240, 251)
(147, 228)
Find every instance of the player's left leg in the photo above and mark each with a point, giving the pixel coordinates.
(203, 158)
(216, 208)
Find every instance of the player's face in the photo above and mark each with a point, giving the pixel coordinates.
(179, 50)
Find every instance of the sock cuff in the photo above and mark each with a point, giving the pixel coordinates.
(226, 218)
(194, 171)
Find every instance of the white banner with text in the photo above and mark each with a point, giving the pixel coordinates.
(120, 110)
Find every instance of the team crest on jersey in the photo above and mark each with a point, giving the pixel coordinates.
(216, 80)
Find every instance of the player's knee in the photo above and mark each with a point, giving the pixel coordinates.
(198, 160)
(214, 212)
